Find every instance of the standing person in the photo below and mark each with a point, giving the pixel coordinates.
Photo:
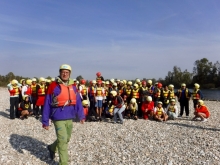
(41, 91)
(184, 95)
(171, 92)
(27, 90)
(99, 77)
(99, 93)
(91, 94)
(14, 89)
(62, 104)
(34, 94)
(135, 93)
(83, 90)
(119, 106)
(197, 95)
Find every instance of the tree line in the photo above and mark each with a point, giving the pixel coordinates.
(204, 72)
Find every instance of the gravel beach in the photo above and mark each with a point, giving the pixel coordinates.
(181, 141)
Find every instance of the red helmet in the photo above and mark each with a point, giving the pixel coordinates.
(90, 82)
(159, 85)
(83, 81)
(144, 83)
(98, 74)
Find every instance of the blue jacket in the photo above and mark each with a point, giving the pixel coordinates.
(60, 113)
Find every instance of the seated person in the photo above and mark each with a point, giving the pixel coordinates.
(85, 109)
(159, 113)
(172, 110)
(25, 108)
(132, 109)
(201, 111)
(109, 111)
(148, 108)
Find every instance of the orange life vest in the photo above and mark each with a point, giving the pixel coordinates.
(128, 92)
(135, 93)
(84, 90)
(41, 90)
(66, 97)
(29, 91)
(15, 91)
(157, 93)
(196, 95)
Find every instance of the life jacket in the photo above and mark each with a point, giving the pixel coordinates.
(66, 97)
(106, 91)
(111, 109)
(99, 91)
(128, 92)
(165, 94)
(98, 78)
(133, 107)
(135, 93)
(171, 108)
(15, 91)
(159, 111)
(157, 93)
(172, 94)
(92, 91)
(29, 91)
(186, 93)
(115, 102)
(33, 87)
(196, 95)
(41, 90)
(120, 91)
(84, 90)
(86, 111)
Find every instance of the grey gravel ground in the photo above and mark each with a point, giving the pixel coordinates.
(181, 141)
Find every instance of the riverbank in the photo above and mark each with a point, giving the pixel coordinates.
(181, 141)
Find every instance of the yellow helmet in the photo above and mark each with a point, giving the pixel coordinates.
(149, 98)
(22, 81)
(171, 86)
(41, 79)
(24, 97)
(133, 100)
(48, 81)
(129, 83)
(28, 81)
(34, 79)
(112, 80)
(14, 82)
(149, 82)
(136, 85)
(85, 102)
(159, 102)
(107, 82)
(66, 67)
(183, 85)
(125, 81)
(196, 86)
(114, 93)
(138, 81)
(201, 102)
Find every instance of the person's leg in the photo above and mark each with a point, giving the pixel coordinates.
(120, 113)
(115, 114)
(63, 135)
(187, 107)
(181, 108)
(201, 115)
(12, 105)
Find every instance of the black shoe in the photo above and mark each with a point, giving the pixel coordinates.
(52, 154)
(37, 117)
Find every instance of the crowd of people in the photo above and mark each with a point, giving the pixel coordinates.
(115, 99)
(63, 99)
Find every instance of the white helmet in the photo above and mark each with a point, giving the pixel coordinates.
(133, 100)
(149, 82)
(149, 98)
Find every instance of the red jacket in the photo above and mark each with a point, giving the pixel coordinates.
(149, 106)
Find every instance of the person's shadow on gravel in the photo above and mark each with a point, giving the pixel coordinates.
(6, 115)
(35, 147)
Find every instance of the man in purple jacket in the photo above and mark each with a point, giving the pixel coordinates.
(62, 104)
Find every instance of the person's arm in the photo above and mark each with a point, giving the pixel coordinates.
(22, 106)
(23, 90)
(120, 101)
(80, 111)
(80, 90)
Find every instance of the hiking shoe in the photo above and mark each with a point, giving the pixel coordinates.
(204, 120)
(52, 154)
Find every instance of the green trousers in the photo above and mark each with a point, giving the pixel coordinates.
(63, 131)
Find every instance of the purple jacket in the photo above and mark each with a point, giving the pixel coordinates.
(61, 113)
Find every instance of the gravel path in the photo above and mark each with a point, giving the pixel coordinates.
(136, 142)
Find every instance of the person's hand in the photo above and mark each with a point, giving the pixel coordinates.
(146, 110)
(82, 121)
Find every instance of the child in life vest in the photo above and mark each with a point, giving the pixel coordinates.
(25, 108)
(132, 109)
(201, 111)
(172, 110)
(85, 109)
(148, 108)
(159, 113)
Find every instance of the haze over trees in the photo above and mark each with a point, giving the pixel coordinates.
(204, 72)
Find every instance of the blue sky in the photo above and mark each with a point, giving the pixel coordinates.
(124, 39)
